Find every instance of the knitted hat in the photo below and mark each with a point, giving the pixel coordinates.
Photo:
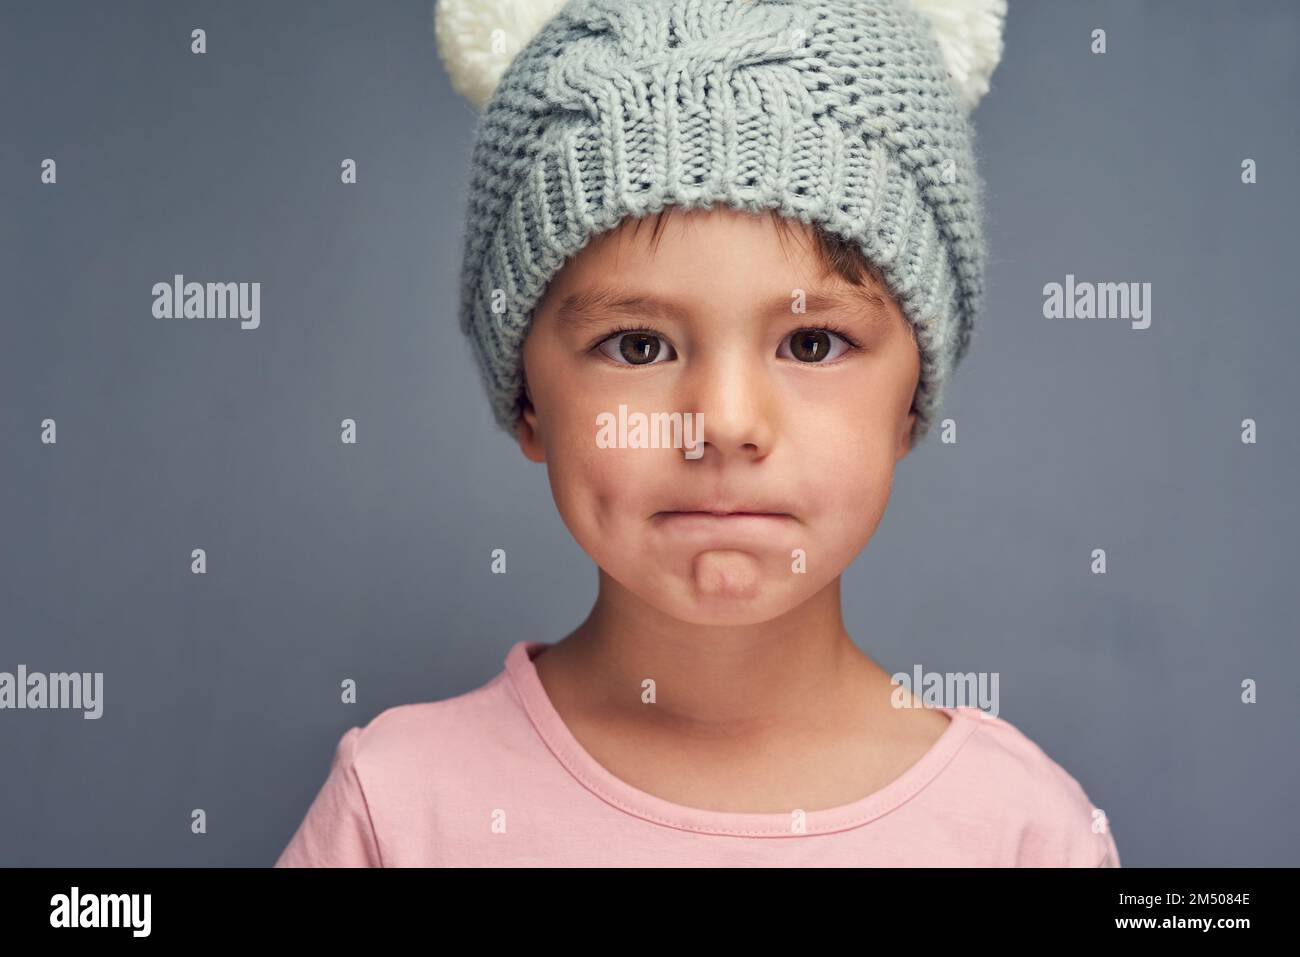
(849, 113)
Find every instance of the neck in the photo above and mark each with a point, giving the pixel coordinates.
(709, 680)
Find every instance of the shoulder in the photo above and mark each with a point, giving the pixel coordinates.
(1053, 820)
(409, 743)
(388, 778)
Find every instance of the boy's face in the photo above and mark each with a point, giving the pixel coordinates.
(794, 421)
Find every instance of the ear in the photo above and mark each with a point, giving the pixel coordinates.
(969, 34)
(477, 39)
(905, 437)
(527, 432)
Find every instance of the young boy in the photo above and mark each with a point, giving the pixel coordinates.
(813, 275)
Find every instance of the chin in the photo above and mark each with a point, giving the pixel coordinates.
(765, 601)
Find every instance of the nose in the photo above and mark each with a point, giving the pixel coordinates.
(738, 404)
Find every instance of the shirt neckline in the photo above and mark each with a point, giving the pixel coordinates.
(604, 784)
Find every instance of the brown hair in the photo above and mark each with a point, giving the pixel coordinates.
(837, 254)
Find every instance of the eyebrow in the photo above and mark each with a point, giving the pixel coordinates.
(591, 307)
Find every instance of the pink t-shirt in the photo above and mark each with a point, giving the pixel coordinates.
(493, 777)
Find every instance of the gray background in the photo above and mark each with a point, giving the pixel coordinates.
(371, 561)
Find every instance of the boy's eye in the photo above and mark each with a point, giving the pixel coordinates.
(643, 348)
(636, 348)
(812, 345)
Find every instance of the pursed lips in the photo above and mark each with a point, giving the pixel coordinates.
(723, 520)
(726, 507)
(716, 514)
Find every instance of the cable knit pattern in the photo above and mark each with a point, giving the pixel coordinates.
(830, 111)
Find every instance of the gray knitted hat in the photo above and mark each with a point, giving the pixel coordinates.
(849, 113)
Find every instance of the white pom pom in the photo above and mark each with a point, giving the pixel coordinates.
(477, 39)
(970, 36)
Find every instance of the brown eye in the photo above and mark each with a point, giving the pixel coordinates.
(638, 348)
(635, 348)
(813, 345)
(810, 345)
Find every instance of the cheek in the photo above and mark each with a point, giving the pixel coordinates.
(862, 475)
(848, 468)
(598, 491)
(595, 489)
